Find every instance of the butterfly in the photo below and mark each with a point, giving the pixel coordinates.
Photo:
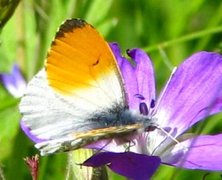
(79, 96)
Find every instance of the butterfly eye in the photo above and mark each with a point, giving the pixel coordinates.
(150, 128)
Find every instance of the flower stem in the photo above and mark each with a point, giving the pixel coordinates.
(182, 39)
(7, 9)
(2, 174)
(82, 172)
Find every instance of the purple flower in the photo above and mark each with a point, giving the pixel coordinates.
(16, 85)
(14, 82)
(191, 94)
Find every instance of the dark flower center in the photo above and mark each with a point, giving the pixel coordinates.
(143, 108)
(152, 104)
(139, 96)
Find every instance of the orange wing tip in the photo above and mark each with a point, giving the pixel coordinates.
(70, 25)
(80, 59)
(70, 85)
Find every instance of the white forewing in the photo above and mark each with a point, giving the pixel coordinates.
(50, 115)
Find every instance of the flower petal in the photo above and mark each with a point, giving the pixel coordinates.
(203, 152)
(139, 78)
(131, 165)
(193, 92)
(106, 145)
(129, 78)
(14, 82)
(145, 75)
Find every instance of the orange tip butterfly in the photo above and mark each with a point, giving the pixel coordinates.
(78, 97)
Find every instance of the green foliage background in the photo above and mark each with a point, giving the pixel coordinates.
(169, 30)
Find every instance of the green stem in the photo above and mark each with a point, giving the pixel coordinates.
(7, 9)
(2, 174)
(182, 39)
